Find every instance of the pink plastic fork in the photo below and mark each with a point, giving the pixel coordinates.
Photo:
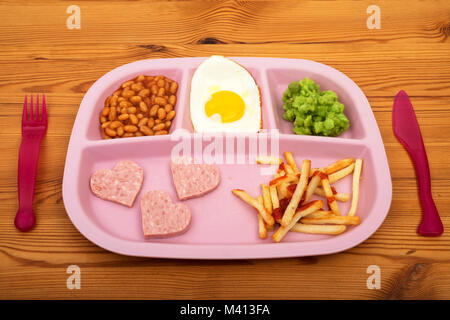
(34, 126)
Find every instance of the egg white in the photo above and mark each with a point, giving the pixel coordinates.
(218, 73)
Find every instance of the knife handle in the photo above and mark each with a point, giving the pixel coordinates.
(431, 224)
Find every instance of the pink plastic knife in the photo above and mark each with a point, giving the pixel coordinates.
(407, 131)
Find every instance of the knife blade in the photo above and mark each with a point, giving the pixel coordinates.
(407, 130)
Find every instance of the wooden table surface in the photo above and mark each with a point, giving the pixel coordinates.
(410, 51)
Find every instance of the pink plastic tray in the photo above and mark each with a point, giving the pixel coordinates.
(223, 227)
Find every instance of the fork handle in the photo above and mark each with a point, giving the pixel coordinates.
(27, 170)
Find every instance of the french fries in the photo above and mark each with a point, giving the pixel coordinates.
(282, 190)
(298, 193)
(312, 186)
(343, 197)
(301, 212)
(338, 175)
(267, 201)
(288, 178)
(331, 219)
(280, 172)
(268, 160)
(261, 224)
(319, 214)
(355, 187)
(313, 170)
(338, 165)
(274, 197)
(281, 183)
(289, 169)
(329, 194)
(288, 198)
(255, 204)
(318, 229)
(279, 186)
(290, 160)
(262, 230)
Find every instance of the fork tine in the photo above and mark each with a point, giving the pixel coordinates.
(44, 109)
(31, 108)
(25, 109)
(37, 107)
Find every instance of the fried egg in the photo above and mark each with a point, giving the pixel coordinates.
(224, 98)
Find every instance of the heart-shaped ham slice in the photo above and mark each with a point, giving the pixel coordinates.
(193, 180)
(121, 185)
(161, 217)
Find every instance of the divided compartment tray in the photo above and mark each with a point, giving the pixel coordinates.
(223, 226)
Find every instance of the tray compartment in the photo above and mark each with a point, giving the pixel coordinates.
(97, 103)
(280, 78)
(266, 103)
(218, 217)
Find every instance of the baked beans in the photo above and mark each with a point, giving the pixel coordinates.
(144, 105)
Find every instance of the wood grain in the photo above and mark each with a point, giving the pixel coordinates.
(39, 54)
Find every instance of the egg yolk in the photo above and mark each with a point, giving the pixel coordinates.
(228, 104)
